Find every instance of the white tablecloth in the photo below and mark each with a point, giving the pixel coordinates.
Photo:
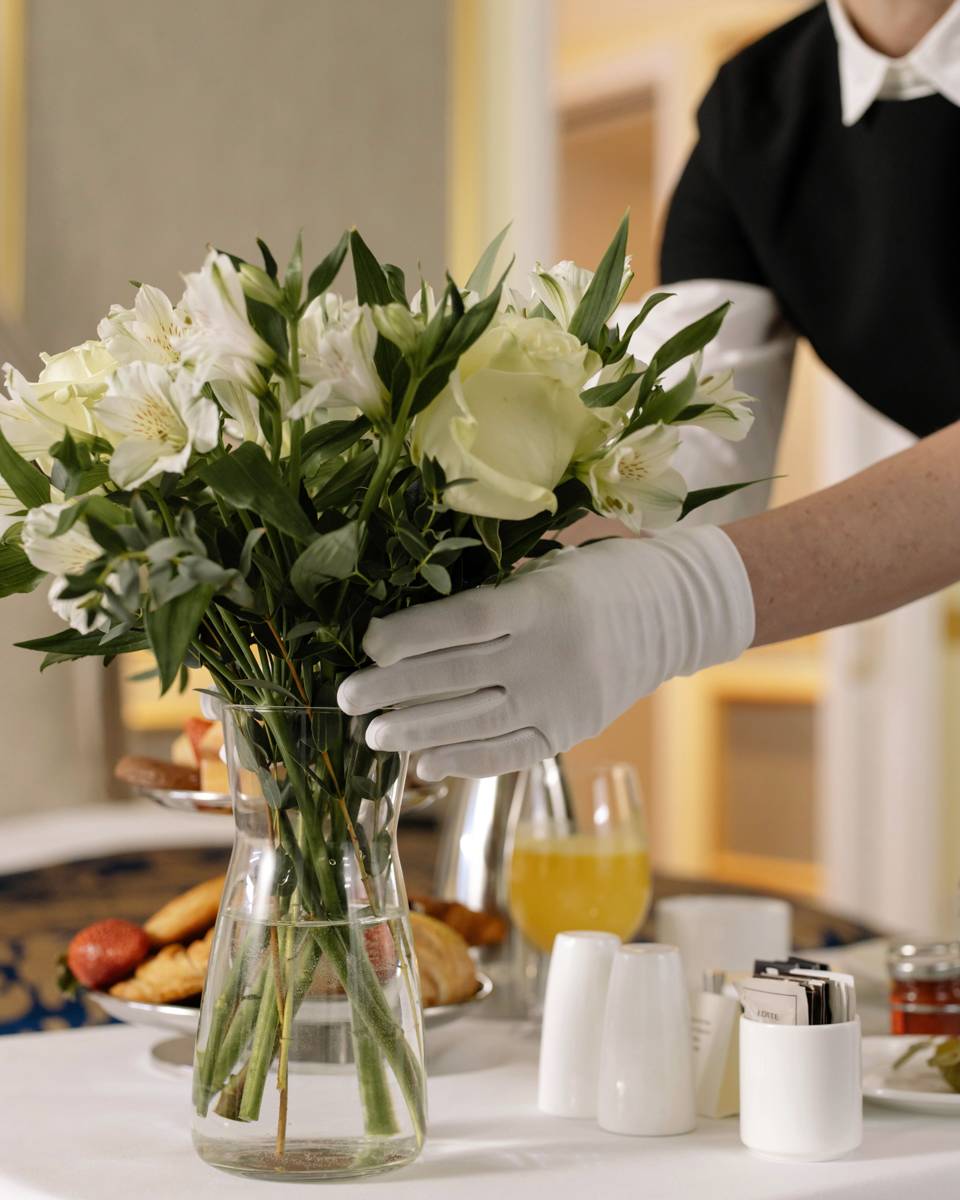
(84, 1115)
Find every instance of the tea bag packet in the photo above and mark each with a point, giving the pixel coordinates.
(830, 995)
(775, 1000)
(841, 1002)
(715, 1036)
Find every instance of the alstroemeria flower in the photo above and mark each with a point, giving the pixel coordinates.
(634, 480)
(563, 287)
(162, 422)
(220, 342)
(63, 397)
(337, 343)
(243, 409)
(145, 332)
(726, 413)
(68, 554)
(75, 612)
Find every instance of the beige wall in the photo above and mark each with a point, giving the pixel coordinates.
(154, 127)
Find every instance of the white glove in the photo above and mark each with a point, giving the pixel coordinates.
(498, 678)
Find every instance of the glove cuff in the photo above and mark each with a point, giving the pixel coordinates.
(715, 590)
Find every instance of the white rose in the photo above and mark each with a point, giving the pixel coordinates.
(535, 345)
(63, 397)
(511, 420)
(634, 481)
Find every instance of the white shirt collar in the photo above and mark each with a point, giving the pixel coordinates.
(932, 66)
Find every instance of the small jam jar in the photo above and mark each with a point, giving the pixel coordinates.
(924, 987)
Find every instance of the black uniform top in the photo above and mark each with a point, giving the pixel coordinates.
(855, 230)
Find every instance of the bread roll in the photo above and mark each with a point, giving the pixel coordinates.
(447, 973)
(188, 915)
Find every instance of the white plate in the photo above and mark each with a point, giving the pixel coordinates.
(915, 1086)
(181, 1019)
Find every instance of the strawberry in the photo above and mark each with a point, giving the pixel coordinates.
(108, 951)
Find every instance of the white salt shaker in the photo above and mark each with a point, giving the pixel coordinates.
(800, 1091)
(646, 1072)
(573, 1012)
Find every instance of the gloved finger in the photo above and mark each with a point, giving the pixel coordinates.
(482, 714)
(455, 672)
(479, 760)
(463, 620)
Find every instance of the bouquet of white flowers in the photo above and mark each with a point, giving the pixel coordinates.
(243, 480)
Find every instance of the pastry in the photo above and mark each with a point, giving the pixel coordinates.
(447, 973)
(173, 974)
(107, 951)
(155, 773)
(476, 928)
(188, 915)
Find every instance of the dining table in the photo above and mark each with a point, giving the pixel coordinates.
(94, 1111)
(90, 1114)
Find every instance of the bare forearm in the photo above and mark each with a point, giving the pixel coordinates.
(880, 539)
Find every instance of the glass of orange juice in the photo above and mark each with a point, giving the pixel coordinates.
(577, 851)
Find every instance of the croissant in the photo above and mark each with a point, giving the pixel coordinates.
(172, 974)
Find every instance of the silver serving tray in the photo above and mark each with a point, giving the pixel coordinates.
(186, 801)
(179, 1018)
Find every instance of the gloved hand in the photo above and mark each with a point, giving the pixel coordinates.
(497, 678)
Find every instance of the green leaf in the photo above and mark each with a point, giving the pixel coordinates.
(398, 284)
(266, 685)
(327, 271)
(704, 495)
(365, 787)
(437, 577)
(271, 326)
(28, 484)
(269, 262)
(268, 785)
(327, 441)
(373, 287)
(489, 531)
(455, 543)
(72, 644)
(480, 276)
(609, 393)
(332, 556)
(600, 298)
(105, 536)
(666, 406)
(618, 350)
(293, 280)
(246, 479)
(246, 554)
(412, 541)
(688, 341)
(344, 483)
(172, 627)
(17, 572)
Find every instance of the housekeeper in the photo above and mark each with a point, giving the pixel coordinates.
(822, 198)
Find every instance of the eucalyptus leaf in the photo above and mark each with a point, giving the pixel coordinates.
(331, 556)
(438, 577)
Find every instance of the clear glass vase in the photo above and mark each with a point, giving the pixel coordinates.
(309, 1060)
